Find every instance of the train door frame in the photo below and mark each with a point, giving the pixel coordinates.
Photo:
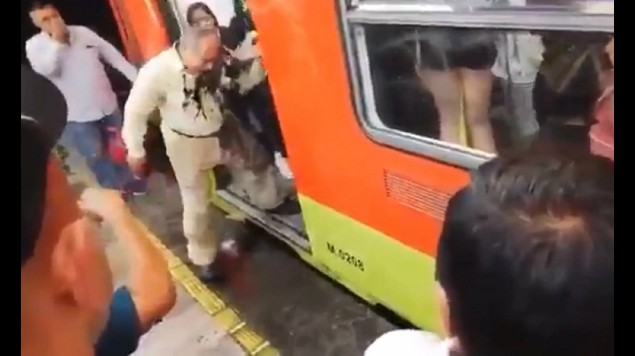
(407, 152)
(139, 19)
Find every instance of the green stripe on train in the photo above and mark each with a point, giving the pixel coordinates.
(371, 264)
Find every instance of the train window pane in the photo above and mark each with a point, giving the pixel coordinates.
(489, 90)
(601, 6)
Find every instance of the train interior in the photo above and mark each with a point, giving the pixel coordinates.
(560, 91)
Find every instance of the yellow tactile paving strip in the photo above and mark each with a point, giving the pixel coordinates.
(227, 317)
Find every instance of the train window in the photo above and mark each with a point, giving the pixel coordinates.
(594, 6)
(483, 89)
(462, 80)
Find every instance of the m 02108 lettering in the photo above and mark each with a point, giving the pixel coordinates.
(346, 256)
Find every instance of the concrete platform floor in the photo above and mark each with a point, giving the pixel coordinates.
(187, 330)
(297, 309)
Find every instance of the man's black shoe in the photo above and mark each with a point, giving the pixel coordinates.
(210, 273)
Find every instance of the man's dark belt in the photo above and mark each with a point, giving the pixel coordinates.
(213, 134)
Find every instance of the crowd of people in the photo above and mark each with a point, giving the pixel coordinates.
(525, 258)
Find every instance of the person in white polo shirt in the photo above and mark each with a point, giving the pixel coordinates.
(71, 57)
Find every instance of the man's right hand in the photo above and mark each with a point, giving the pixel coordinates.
(59, 32)
(137, 165)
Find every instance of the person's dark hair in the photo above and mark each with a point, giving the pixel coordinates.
(189, 14)
(34, 155)
(526, 257)
(40, 4)
(43, 118)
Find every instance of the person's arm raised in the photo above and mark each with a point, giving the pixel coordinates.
(149, 281)
(44, 56)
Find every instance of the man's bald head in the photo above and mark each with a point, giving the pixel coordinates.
(200, 49)
(194, 36)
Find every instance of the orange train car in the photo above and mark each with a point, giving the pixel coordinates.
(385, 105)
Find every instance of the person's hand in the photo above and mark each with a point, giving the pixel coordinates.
(59, 31)
(105, 204)
(137, 165)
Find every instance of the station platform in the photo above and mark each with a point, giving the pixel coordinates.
(273, 304)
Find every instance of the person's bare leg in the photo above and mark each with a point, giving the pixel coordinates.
(446, 90)
(477, 85)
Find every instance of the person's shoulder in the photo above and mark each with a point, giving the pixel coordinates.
(406, 343)
(77, 30)
(36, 39)
(162, 63)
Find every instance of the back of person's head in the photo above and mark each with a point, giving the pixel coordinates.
(526, 257)
(65, 280)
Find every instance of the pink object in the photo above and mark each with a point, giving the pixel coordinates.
(602, 132)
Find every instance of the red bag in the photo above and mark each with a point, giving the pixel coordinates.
(116, 147)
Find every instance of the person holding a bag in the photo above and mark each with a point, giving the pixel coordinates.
(71, 57)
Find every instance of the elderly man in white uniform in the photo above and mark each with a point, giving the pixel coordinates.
(192, 115)
(71, 57)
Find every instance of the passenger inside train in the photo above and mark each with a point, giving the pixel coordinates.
(525, 262)
(535, 84)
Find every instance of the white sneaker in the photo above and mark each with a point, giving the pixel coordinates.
(283, 166)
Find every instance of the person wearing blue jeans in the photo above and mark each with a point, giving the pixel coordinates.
(72, 58)
(90, 139)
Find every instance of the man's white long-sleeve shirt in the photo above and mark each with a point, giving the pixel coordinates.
(77, 70)
(162, 84)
